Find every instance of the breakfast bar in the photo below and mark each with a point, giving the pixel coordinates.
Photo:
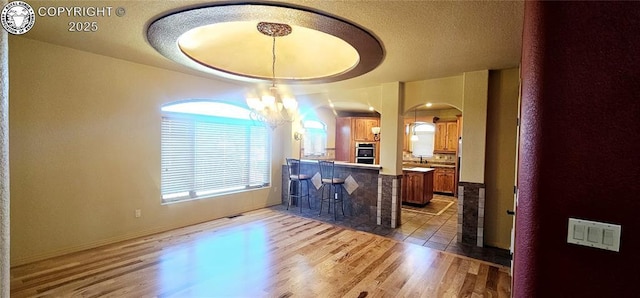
(361, 191)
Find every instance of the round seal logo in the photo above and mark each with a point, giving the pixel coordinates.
(18, 17)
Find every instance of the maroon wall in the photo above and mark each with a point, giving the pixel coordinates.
(580, 148)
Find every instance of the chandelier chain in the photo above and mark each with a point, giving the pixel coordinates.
(273, 63)
(274, 111)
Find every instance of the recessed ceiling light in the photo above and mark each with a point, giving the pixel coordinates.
(429, 105)
(331, 105)
(371, 108)
(222, 40)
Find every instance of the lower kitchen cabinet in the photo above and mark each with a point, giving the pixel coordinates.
(417, 186)
(444, 180)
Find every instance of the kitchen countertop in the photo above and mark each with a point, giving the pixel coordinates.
(428, 165)
(348, 164)
(419, 169)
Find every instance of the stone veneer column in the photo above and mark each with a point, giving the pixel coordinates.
(389, 200)
(4, 163)
(472, 163)
(471, 213)
(391, 134)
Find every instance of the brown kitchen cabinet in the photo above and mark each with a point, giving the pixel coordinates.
(352, 130)
(345, 147)
(446, 137)
(417, 186)
(444, 180)
(362, 128)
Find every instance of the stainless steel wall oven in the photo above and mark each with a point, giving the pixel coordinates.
(365, 153)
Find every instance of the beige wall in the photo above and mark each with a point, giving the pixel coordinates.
(327, 117)
(391, 126)
(361, 98)
(85, 151)
(447, 90)
(474, 114)
(502, 113)
(427, 115)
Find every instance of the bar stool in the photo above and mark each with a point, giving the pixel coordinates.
(296, 176)
(327, 175)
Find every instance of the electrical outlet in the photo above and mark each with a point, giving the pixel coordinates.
(138, 213)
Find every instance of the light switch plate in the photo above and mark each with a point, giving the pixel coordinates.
(594, 234)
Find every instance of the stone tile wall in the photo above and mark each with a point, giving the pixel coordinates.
(471, 213)
(436, 158)
(361, 202)
(389, 200)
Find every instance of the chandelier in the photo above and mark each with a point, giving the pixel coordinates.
(273, 109)
(414, 137)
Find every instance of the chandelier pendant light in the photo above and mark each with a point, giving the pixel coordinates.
(414, 137)
(273, 109)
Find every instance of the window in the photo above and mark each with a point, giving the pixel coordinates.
(315, 138)
(211, 148)
(426, 136)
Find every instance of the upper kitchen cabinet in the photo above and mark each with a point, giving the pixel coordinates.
(352, 130)
(362, 128)
(446, 138)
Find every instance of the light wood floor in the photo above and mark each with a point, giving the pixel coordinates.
(261, 253)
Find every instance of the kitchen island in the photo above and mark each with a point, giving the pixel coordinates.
(417, 187)
(362, 191)
(444, 175)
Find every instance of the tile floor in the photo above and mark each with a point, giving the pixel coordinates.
(434, 231)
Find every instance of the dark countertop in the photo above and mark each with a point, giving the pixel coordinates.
(428, 165)
(419, 169)
(348, 164)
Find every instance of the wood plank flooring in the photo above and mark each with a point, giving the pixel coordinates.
(261, 253)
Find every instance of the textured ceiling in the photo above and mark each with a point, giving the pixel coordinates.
(421, 39)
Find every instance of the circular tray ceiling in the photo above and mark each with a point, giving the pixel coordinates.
(224, 40)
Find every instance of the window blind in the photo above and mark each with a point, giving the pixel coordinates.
(206, 156)
(315, 142)
(315, 138)
(425, 143)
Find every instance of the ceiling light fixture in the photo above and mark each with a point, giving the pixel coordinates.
(273, 109)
